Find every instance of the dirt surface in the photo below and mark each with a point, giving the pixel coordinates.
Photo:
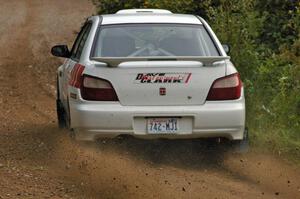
(37, 160)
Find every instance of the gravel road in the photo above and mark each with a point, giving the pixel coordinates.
(37, 160)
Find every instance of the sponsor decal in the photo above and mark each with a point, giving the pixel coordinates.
(154, 78)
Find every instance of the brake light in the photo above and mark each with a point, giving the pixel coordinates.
(96, 89)
(76, 76)
(226, 88)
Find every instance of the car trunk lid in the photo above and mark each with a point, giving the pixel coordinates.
(161, 82)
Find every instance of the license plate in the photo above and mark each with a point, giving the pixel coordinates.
(162, 125)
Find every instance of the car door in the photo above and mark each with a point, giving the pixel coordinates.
(74, 59)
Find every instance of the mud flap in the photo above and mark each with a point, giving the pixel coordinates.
(242, 146)
(60, 115)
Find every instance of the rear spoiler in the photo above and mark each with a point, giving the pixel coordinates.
(116, 61)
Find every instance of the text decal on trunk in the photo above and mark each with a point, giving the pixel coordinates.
(153, 78)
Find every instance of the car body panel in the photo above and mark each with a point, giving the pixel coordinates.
(92, 120)
(133, 90)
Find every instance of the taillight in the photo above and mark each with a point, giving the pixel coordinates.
(96, 89)
(226, 88)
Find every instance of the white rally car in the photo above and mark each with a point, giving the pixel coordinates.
(150, 74)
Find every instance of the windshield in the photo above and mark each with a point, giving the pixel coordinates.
(146, 40)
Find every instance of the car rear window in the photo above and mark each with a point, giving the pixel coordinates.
(146, 40)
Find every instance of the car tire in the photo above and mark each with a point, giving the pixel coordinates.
(242, 146)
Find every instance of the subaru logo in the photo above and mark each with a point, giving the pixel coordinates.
(162, 91)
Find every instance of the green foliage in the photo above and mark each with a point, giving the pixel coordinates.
(174, 6)
(281, 22)
(111, 6)
(264, 38)
(235, 24)
(199, 7)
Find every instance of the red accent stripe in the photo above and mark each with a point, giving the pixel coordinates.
(71, 77)
(76, 74)
(188, 78)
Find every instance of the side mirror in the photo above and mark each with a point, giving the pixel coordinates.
(60, 51)
(226, 48)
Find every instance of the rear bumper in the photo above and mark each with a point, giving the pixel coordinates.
(91, 120)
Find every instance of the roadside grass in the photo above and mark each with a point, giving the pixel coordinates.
(280, 142)
(273, 119)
